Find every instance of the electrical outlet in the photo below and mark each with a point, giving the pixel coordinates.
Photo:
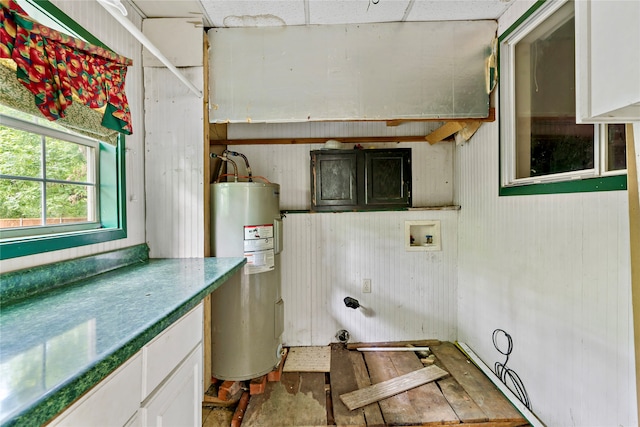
(366, 286)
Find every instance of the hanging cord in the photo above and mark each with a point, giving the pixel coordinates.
(246, 161)
(224, 158)
(505, 373)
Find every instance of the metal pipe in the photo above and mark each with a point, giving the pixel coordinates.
(393, 348)
(246, 162)
(110, 7)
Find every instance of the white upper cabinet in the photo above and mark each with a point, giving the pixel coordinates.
(607, 60)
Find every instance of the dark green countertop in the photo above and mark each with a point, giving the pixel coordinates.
(57, 345)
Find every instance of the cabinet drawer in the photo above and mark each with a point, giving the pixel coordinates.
(111, 403)
(168, 349)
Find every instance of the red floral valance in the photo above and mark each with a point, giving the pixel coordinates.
(56, 67)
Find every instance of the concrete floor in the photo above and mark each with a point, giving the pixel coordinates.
(217, 417)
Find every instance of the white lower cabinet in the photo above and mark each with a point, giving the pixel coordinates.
(177, 402)
(111, 403)
(161, 385)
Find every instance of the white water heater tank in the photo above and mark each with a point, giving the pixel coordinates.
(247, 312)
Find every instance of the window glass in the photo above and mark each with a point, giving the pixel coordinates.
(44, 179)
(616, 154)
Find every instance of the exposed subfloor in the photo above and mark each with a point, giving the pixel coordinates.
(465, 396)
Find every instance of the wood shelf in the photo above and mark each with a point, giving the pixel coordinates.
(216, 129)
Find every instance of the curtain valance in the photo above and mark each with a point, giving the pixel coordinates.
(58, 69)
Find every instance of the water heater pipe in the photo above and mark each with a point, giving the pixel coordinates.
(111, 6)
(246, 162)
(224, 158)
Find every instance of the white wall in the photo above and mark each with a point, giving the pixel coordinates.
(174, 164)
(95, 19)
(554, 272)
(326, 255)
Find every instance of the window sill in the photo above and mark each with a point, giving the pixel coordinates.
(29, 246)
(609, 183)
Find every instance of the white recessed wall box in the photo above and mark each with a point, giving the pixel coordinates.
(422, 235)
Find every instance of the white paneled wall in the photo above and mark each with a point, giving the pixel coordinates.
(325, 258)
(554, 272)
(174, 164)
(326, 255)
(95, 19)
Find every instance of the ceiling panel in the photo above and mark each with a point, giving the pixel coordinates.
(253, 13)
(245, 13)
(356, 11)
(455, 10)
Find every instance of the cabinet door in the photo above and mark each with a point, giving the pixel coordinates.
(387, 178)
(178, 401)
(333, 180)
(607, 61)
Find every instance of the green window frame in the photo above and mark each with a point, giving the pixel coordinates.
(111, 189)
(599, 178)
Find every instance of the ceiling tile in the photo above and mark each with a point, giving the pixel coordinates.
(169, 8)
(356, 11)
(244, 13)
(454, 10)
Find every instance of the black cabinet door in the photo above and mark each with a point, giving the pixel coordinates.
(387, 178)
(333, 180)
(360, 179)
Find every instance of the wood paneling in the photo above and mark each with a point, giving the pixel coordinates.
(174, 170)
(554, 272)
(325, 258)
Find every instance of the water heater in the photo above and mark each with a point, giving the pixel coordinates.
(247, 312)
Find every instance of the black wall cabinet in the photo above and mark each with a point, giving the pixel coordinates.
(375, 179)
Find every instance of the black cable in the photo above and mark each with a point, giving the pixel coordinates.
(505, 373)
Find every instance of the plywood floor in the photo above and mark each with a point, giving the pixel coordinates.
(465, 397)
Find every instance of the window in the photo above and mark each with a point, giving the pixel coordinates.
(58, 189)
(542, 147)
(371, 179)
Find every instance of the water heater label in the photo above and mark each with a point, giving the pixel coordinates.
(253, 232)
(259, 248)
(260, 261)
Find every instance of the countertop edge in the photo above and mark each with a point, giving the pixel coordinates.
(56, 400)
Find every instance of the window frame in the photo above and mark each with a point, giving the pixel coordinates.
(587, 180)
(110, 183)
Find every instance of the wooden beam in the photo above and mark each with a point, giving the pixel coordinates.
(490, 118)
(633, 176)
(218, 133)
(444, 131)
(348, 140)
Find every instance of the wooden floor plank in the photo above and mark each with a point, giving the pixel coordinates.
(372, 413)
(416, 343)
(479, 388)
(428, 401)
(343, 380)
(380, 391)
(392, 387)
(396, 409)
(465, 408)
